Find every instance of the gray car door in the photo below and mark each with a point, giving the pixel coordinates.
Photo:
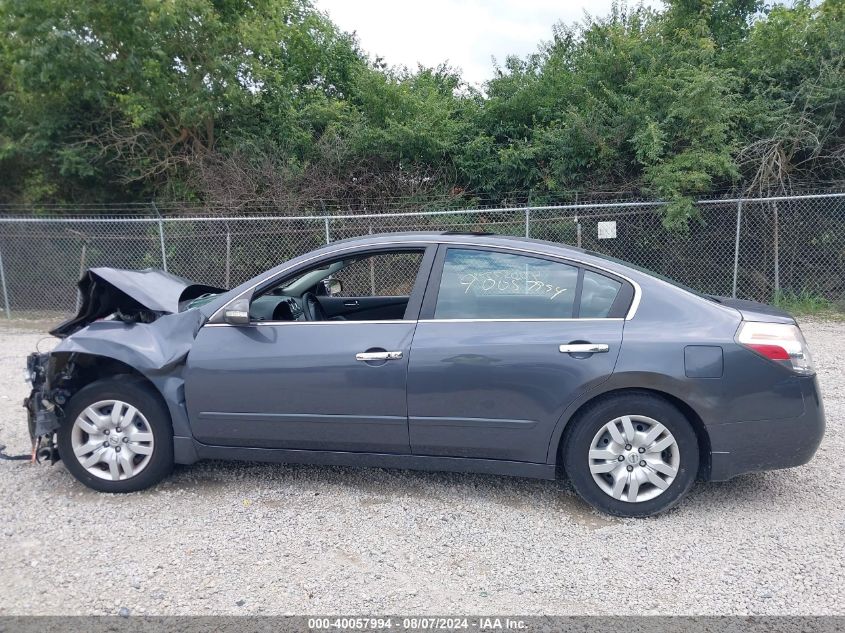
(499, 352)
(318, 385)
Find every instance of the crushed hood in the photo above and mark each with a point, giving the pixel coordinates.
(132, 295)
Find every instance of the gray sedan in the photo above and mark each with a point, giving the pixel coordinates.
(433, 351)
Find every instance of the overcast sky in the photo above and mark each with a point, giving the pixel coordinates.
(464, 33)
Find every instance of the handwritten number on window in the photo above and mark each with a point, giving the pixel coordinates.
(508, 282)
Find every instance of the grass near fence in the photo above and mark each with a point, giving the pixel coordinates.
(808, 303)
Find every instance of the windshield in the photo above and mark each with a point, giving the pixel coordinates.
(200, 301)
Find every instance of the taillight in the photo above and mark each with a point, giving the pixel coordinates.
(779, 342)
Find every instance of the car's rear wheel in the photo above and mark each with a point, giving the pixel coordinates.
(117, 436)
(631, 455)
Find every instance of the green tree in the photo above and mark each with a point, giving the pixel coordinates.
(238, 102)
(109, 93)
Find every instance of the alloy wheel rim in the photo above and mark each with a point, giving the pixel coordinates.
(112, 440)
(634, 458)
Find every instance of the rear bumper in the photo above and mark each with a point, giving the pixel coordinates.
(745, 447)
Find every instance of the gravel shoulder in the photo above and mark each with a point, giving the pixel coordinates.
(224, 538)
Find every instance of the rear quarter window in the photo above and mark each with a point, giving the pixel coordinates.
(598, 294)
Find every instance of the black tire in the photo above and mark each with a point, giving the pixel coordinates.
(583, 429)
(134, 392)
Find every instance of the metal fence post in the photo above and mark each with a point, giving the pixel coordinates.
(528, 223)
(328, 235)
(82, 259)
(577, 223)
(776, 246)
(736, 245)
(5, 291)
(228, 283)
(160, 236)
(161, 240)
(372, 267)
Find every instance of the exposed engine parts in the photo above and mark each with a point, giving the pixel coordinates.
(44, 403)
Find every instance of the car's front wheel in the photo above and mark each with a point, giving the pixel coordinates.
(631, 455)
(117, 436)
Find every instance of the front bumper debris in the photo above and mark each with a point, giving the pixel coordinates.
(43, 408)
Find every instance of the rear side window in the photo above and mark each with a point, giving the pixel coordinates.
(597, 295)
(490, 285)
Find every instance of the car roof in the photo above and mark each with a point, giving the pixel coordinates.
(487, 239)
(461, 237)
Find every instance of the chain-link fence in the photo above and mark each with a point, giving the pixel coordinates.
(750, 248)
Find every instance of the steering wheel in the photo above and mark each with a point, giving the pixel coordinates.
(312, 309)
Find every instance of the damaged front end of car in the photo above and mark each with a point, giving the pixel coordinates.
(128, 322)
(43, 405)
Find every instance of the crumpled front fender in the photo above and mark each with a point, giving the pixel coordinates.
(150, 348)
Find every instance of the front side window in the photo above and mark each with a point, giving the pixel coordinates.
(479, 284)
(380, 275)
(370, 286)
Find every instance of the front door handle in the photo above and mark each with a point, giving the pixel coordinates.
(371, 356)
(584, 348)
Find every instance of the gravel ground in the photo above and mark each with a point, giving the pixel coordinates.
(220, 538)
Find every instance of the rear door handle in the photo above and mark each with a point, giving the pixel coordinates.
(351, 304)
(370, 356)
(584, 348)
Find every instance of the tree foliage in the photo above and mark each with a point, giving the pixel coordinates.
(240, 102)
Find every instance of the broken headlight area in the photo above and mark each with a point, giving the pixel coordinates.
(44, 403)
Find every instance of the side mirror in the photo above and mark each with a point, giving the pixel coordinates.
(333, 286)
(237, 312)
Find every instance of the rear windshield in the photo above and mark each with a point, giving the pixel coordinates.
(651, 273)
